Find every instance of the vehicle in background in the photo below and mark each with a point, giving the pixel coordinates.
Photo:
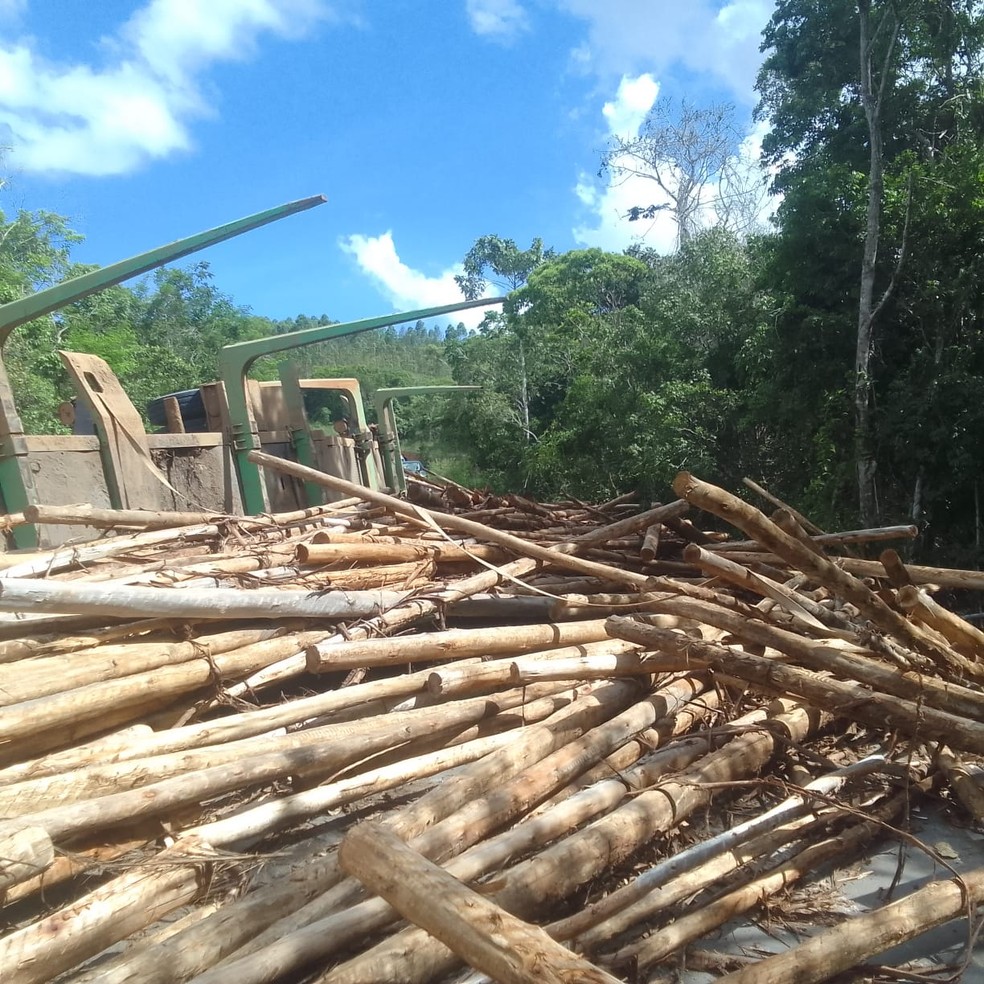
(414, 466)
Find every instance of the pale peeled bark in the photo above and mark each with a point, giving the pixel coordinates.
(454, 643)
(482, 934)
(284, 907)
(55, 943)
(865, 936)
(77, 598)
(965, 637)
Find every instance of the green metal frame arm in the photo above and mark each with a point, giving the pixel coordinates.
(236, 359)
(389, 434)
(45, 301)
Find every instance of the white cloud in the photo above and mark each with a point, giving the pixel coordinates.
(500, 19)
(630, 184)
(11, 9)
(405, 287)
(608, 204)
(660, 37)
(81, 119)
(627, 111)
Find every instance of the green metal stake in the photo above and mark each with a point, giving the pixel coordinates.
(16, 494)
(235, 361)
(293, 387)
(389, 434)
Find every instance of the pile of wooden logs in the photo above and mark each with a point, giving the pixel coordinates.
(373, 741)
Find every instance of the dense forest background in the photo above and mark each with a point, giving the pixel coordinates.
(835, 355)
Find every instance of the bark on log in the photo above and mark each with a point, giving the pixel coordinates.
(482, 934)
(965, 786)
(277, 908)
(451, 522)
(911, 685)
(25, 851)
(841, 698)
(864, 936)
(78, 598)
(755, 524)
(44, 949)
(452, 644)
(966, 638)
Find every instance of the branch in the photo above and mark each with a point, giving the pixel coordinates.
(890, 289)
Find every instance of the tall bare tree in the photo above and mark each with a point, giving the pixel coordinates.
(691, 154)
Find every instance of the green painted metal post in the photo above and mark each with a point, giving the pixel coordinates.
(16, 493)
(389, 433)
(300, 434)
(235, 361)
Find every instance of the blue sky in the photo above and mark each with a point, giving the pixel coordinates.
(426, 123)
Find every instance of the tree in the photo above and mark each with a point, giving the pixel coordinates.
(500, 262)
(691, 154)
(34, 253)
(868, 104)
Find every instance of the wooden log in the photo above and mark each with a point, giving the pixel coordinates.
(894, 568)
(281, 908)
(104, 749)
(965, 785)
(453, 644)
(597, 666)
(414, 958)
(966, 638)
(243, 828)
(172, 415)
(945, 577)
(58, 643)
(76, 598)
(478, 931)
(44, 949)
(40, 677)
(393, 553)
(769, 497)
(341, 744)
(451, 522)
(755, 524)
(655, 878)
(108, 519)
(25, 851)
(863, 936)
(696, 924)
(802, 608)
(822, 656)
(650, 543)
(636, 523)
(140, 691)
(845, 699)
(465, 677)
